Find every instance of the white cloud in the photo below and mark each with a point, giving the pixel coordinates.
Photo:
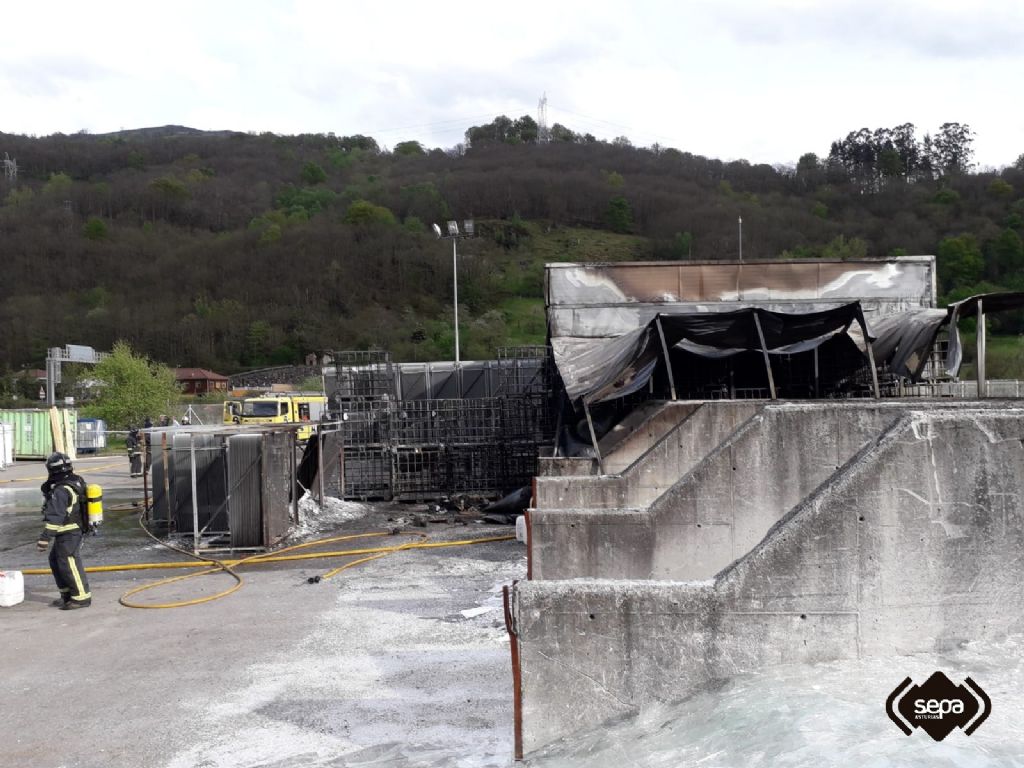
(766, 81)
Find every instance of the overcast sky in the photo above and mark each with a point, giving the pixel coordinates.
(765, 80)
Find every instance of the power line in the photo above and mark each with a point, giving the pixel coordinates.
(601, 122)
(438, 124)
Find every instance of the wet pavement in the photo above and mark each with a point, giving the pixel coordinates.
(377, 663)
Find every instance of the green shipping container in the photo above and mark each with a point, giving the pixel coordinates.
(33, 437)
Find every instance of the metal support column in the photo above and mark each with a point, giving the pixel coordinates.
(558, 429)
(320, 464)
(166, 459)
(668, 360)
(871, 363)
(293, 480)
(195, 495)
(455, 296)
(817, 389)
(593, 437)
(52, 368)
(767, 360)
(982, 343)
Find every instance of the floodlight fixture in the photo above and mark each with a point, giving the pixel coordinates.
(453, 229)
(467, 227)
(437, 230)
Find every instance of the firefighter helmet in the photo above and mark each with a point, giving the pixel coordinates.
(59, 464)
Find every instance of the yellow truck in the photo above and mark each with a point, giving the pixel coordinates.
(284, 408)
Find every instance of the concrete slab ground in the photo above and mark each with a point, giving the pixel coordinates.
(376, 666)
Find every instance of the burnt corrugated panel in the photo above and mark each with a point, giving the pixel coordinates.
(332, 447)
(163, 493)
(211, 482)
(415, 382)
(278, 455)
(245, 486)
(446, 382)
(476, 381)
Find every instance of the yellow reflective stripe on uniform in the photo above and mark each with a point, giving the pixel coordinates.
(81, 593)
(62, 528)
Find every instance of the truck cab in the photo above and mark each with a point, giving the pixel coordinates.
(278, 409)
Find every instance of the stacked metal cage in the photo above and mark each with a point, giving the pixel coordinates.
(479, 434)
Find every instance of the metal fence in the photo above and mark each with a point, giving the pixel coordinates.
(425, 449)
(479, 434)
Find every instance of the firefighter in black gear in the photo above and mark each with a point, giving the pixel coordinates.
(134, 445)
(65, 520)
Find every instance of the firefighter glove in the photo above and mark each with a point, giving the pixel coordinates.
(43, 544)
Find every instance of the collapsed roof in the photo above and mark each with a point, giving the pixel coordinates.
(611, 326)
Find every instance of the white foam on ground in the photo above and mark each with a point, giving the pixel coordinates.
(316, 518)
(391, 674)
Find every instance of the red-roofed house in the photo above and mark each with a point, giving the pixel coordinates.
(199, 381)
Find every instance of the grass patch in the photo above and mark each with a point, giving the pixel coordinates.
(525, 322)
(1004, 358)
(554, 243)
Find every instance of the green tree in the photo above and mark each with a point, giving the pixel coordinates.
(841, 248)
(58, 187)
(1000, 188)
(308, 199)
(560, 133)
(313, 174)
(951, 148)
(365, 212)
(682, 245)
(133, 387)
(409, 148)
(1005, 255)
(619, 216)
(960, 263)
(526, 129)
(614, 179)
(170, 188)
(95, 229)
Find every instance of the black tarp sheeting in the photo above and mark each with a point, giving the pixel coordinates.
(623, 365)
(604, 369)
(990, 302)
(905, 340)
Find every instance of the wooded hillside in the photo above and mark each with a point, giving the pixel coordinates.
(229, 250)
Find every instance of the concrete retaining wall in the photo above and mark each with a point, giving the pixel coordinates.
(915, 545)
(660, 455)
(627, 442)
(718, 510)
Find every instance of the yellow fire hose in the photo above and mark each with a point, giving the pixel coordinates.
(227, 566)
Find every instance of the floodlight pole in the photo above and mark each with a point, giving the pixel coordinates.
(741, 237)
(455, 292)
(454, 234)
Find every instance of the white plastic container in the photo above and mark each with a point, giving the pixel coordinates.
(12, 588)
(6, 444)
